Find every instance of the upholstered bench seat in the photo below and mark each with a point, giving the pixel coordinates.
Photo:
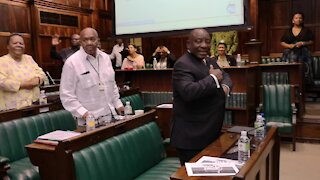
(16, 134)
(162, 170)
(136, 154)
(23, 169)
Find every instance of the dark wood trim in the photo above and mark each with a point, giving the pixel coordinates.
(55, 6)
(267, 153)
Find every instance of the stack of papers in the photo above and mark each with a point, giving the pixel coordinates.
(213, 166)
(54, 137)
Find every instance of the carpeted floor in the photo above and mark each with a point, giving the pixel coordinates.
(303, 164)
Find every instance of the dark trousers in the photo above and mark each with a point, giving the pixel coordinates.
(186, 154)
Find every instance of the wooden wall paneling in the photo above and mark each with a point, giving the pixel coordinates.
(100, 4)
(264, 20)
(279, 13)
(274, 41)
(254, 14)
(243, 37)
(86, 3)
(35, 27)
(85, 21)
(3, 45)
(4, 9)
(279, 23)
(21, 17)
(75, 3)
(64, 2)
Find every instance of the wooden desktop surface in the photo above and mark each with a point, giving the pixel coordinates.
(264, 161)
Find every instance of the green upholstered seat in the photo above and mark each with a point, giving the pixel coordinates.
(277, 108)
(136, 154)
(14, 135)
(135, 101)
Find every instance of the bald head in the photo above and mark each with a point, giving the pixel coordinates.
(199, 42)
(89, 40)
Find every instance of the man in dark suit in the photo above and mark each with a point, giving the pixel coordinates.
(199, 91)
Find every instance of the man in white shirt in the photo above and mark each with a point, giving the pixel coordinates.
(88, 82)
(115, 54)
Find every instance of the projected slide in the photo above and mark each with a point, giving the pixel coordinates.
(141, 16)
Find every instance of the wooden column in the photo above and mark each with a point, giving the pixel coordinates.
(254, 51)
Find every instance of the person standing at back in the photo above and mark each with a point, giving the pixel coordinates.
(296, 41)
(88, 83)
(115, 54)
(199, 92)
(65, 52)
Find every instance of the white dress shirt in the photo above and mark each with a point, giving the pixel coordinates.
(116, 54)
(82, 78)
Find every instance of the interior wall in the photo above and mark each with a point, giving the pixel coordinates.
(270, 20)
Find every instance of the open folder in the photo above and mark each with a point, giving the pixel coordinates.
(54, 137)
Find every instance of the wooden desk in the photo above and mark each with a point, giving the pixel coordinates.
(263, 163)
(9, 115)
(56, 162)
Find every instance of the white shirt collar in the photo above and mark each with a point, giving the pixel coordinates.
(98, 53)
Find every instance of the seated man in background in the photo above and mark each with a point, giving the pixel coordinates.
(20, 76)
(224, 60)
(65, 52)
(87, 82)
(164, 58)
(133, 60)
(115, 54)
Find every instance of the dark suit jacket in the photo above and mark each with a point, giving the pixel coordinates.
(198, 105)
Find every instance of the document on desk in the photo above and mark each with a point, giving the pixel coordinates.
(58, 135)
(212, 166)
(165, 106)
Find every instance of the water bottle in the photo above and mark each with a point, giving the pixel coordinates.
(128, 109)
(238, 60)
(43, 98)
(90, 123)
(243, 147)
(46, 81)
(155, 62)
(259, 128)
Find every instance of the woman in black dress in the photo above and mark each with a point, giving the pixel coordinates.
(295, 41)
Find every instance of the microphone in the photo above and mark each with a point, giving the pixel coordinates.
(255, 128)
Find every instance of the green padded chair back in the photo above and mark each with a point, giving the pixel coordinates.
(135, 101)
(277, 103)
(14, 135)
(122, 157)
(316, 68)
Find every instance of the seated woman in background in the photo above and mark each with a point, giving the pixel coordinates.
(20, 76)
(295, 41)
(224, 60)
(164, 58)
(133, 60)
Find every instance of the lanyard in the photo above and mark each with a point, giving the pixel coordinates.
(97, 71)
